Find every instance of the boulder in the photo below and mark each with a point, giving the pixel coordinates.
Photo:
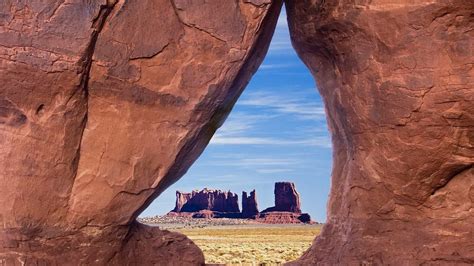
(249, 204)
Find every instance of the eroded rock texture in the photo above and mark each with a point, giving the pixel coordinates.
(287, 209)
(207, 199)
(397, 78)
(287, 199)
(104, 104)
(249, 204)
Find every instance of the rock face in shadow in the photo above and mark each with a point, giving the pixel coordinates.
(103, 105)
(287, 199)
(397, 80)
(249, 204)
(207, 199)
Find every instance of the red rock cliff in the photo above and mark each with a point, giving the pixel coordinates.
(207, 199)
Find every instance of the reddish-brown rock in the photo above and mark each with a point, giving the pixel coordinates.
(249, 204)
(287, 199)
(397, 78)
(103, 105)
(207, 199)
(287, 209)
(282, 217)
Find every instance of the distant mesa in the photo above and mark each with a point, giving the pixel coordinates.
(210, 203)
(207, 199)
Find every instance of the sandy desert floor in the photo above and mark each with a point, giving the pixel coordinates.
(235, 241)
(253, 244)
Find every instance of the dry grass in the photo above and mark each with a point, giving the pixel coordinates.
(267, 244)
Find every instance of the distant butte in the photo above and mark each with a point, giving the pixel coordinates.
(209, 203)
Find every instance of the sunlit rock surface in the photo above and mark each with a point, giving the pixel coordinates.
(397, 80)
(206, 199)
(103, 105)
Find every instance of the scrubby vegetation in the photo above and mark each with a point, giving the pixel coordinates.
(253, 244)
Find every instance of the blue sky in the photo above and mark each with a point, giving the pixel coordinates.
(276, 132)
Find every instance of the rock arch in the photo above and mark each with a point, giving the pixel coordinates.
(397, 81)
(106, 103)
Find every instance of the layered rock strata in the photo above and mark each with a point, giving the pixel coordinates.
(397, 79)
(103, 105)
(287, 209)
(218, 204)
(207, 199)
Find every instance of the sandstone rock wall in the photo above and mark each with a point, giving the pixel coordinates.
(397, 80)
(207, 199)
(104, 104)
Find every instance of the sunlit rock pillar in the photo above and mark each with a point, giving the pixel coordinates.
(103, 105)
(397, 78)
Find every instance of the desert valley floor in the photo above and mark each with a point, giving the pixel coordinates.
(237, 241)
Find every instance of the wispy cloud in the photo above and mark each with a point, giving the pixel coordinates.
(273, 171)
(275, 66)
(321, 141)
(280, 41)
(242, 129)
(252, 162)
(287, 104)
(242, 122)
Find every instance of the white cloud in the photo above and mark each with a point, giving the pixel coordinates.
(240, 128)
(281, 37)
(251, 162)
(287, 104)
(241, 122)
(320, 141)
(273, 171)
(274, 66)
